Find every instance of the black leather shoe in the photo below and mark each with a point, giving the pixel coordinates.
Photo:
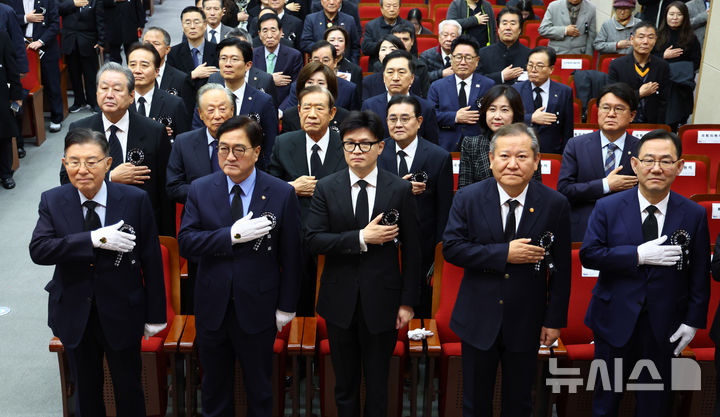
(7, 183)
(21, 153)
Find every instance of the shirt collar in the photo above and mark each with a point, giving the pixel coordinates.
(277, 51)
(162, 70)
(200, 47)
(620, 142)
(281, 14)
(210, 139)
(467, 80)
(123, 124)
(410, 149)
(240, 93)
(661, 205)
(504, 197)
(148, 96)
(322, 143)
(100, 197)
(544, 86)
(371, 178)
(247, 185)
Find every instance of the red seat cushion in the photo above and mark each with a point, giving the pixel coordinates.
(704, 354)
(168, 292)
(152, 344)
(279, 346)
(583, 352)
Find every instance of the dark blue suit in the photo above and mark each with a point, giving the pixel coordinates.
(501, 307)
(189, 160)
(165, 104)
(635, 309)
(238, 289)
(261, 80)
(552, 137)
(582, 173)
(314, 30)
(94, 306)
(8, 23)
(429, 127)
(444, 96)
(289, 61)
(346, 97)
(373, 84)
(433, 204)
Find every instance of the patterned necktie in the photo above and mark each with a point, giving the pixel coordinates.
(195, 57)
(116, 152)
(270, 63)
(214, 166)
(212, 35)
(315, 163)
(235, 103)
(462, 97)
(510, 224)
(650, 225)
(447, 61)
(402, 166)
(537, 101)
(361, 206)
(92, 220)
(610, 158)
(236, 208)
(141, 106)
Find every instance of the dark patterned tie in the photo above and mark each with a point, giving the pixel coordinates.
(510, 224)
(214, 165)
(141, 106)
(196, 57)
(447, 61)
(462, 97)
(212, 35)
(236, 208)
(650, 225)
(361, 206)
(402, 166)
(610, 158)
(92, 220)
(115, 148)
(537, 101)
(315, 163)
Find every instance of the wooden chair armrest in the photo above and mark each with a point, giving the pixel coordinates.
(687, 353)
(184, 271)
(187, 341)
(433, 342)
(415, 346)
(553, 352)
(56, 345)
(176, 330)
(309, 336)
(294, 344)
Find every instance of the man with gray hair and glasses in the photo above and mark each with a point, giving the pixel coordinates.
(139, 146)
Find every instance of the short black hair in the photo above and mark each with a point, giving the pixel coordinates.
(81, 136)
(547, 50)
(252, 129)
(509, 10)
(393, 40)
(400, 53)
(661, 134)
(404, 29)
(191, 9)
(269, 16)
(322, 43)
(405, 99)
(340, 29)
(145, 47)
(363, 120)
(245, 48)
(643, 24)
(622, 91)
(465, 40)
(501, 90)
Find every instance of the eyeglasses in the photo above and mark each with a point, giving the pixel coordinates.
(616, 109)
(196, 22)
(539, 67)
(75, 164)
(232, 59)
(664, 163)
(327, 61)
(237, 151)
(364, 146)
(404, 120)
(467, 58)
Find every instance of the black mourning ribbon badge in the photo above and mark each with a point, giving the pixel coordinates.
(127, 229)
(135, 156)
(172, 91)
(681, 238)
(273, 223)
(420, 176)
(546, 241)
(167, 121)
(254, 116)
(391, 218)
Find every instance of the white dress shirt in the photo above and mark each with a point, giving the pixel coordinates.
(239, 94)
(544, 94)
(322, 143)
(208, 35)
(659, 213)
(370, 188)
(210, 140)
(29, 6)
(505, 208)
(148, 101)
(468, 83)
(122, 134)
(101, 199)
(158, 79)
(409, 150)
(604, 142)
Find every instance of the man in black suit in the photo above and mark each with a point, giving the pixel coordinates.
(282, 62)
(170, 78)
(107, 290)
(428, 167)
(504, 61)
(10, 92)
(302, 158)
(83, 38)
(215, 30)
(139, 146)
(364, 296)
(507, 304)
(152, 102)
(255, 30)
(194, 56)
(292, 26)
(646, 73)
(381, 26)
(123, 21)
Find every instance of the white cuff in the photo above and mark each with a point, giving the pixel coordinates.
(363, 245)
(606, 186)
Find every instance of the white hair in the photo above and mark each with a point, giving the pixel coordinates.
(450, 22)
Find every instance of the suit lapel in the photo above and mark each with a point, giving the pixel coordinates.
(260, 194)
(72, 210)
(115, 207)
(553, 99)
(382, 197)
(136, 136)
(420, 156)
(491, 211)
(674, 216)
(334, 157)
(201, 152)
(631, 216)
(299, 154)
(627, 153)
(157, 104)
(530, 212)
(474, 90)
(342, 194)
(221, 199)
(595, 149)
(259, 59)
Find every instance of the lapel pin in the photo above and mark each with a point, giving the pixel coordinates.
(555, 95)
(249, 98)
(629, 153)
(477, 85)
(532, 210)
(262, 197)
(255, 78)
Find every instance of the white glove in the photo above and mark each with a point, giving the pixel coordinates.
(110, 238)
(282, 318)
(685, 333)
(653, 253)
(247, 228)
(419, 334)
(153, 329)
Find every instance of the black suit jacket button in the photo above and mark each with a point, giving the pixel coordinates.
(500, 302)
(507, 276)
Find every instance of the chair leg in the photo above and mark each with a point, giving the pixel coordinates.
(413, 386)
(429, 390)
(38, 119)
(295, 389)
(309, 389)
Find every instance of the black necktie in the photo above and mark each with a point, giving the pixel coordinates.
(237, 109)
(537, 101)
(402, 166)
(214, 166)
(115, 149)
(447, 61)
(236, 208)
(141, 106)
(462, 97)
(650, 225)
(315, 162)
(510, 224)
(361, 206)
(92, 220)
